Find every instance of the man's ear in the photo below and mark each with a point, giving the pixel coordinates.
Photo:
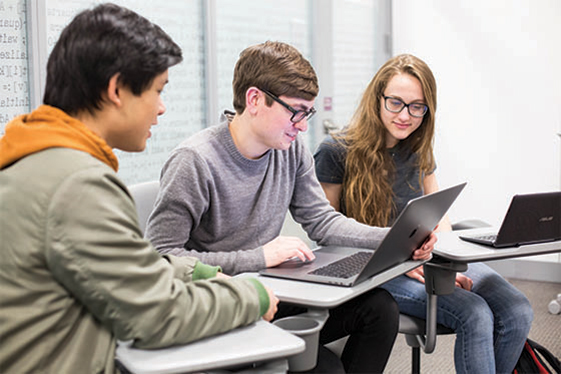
(113, 90)
(253, 95)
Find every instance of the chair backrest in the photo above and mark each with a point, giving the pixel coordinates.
(144, 195)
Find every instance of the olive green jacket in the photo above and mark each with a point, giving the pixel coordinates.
(76, 274)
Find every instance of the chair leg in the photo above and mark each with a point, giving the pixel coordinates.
(416, 360)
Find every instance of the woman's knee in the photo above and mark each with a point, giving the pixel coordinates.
(521, 315)
(470, 315)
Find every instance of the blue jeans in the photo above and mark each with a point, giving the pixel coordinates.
(492, 321)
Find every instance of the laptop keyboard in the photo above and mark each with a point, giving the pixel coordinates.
(345, 267)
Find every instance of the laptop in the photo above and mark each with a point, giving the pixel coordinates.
(530, 219)
(411, 228)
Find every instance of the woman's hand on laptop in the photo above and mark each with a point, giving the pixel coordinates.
(283, 248)
(425, 251)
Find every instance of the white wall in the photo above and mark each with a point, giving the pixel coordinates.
(498, 69)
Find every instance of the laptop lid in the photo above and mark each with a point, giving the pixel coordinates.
(530, 219)
(411, 228)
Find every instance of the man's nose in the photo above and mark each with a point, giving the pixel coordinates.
(302, 125)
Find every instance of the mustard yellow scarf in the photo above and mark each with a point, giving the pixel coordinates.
(49, 127)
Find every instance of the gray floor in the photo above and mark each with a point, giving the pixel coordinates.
(546, 330)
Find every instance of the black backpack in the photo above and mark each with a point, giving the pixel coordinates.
(533, 360)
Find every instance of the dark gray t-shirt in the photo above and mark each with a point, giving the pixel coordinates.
(330, 168)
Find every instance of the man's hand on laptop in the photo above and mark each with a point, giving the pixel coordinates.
(425, 251)
(283, 248)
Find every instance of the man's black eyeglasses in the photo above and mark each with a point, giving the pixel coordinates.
(396, 105)
(297, 115)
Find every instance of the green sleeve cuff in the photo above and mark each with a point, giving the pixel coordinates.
(263, 296)
(204, 271)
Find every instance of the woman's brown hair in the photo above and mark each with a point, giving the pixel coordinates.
(367, 194)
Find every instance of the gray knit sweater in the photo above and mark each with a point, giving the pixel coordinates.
(221, 207)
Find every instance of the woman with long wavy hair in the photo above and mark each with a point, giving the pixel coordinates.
(370, 170)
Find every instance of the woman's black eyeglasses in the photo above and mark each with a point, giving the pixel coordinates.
(395, 105)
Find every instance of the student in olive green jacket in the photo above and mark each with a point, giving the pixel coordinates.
(75, 271)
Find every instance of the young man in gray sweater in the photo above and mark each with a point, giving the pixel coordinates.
(225, 193)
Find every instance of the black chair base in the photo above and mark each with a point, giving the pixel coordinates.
(411, 327)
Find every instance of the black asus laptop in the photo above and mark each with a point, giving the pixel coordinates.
(530, 219)
(345, 266)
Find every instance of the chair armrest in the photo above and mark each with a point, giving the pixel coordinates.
(440, 275)
(440, 279)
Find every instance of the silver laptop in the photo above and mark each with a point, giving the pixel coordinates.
(345, 266)
(530, 219)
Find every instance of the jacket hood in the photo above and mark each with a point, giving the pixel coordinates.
(49, 127)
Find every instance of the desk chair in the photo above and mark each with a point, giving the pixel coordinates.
(421, 333)
(144, 195)
(440, 280)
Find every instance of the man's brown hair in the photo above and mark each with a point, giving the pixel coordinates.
(276, 67)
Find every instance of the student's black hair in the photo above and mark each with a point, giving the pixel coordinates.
(98, 44)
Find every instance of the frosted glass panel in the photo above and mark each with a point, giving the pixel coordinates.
(354, 46)
(183, 96)
(236, 24)
(244, 23)
(14, 75)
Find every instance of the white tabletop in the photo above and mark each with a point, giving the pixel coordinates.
(262, 341)
(315, 295)
(451, 247)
